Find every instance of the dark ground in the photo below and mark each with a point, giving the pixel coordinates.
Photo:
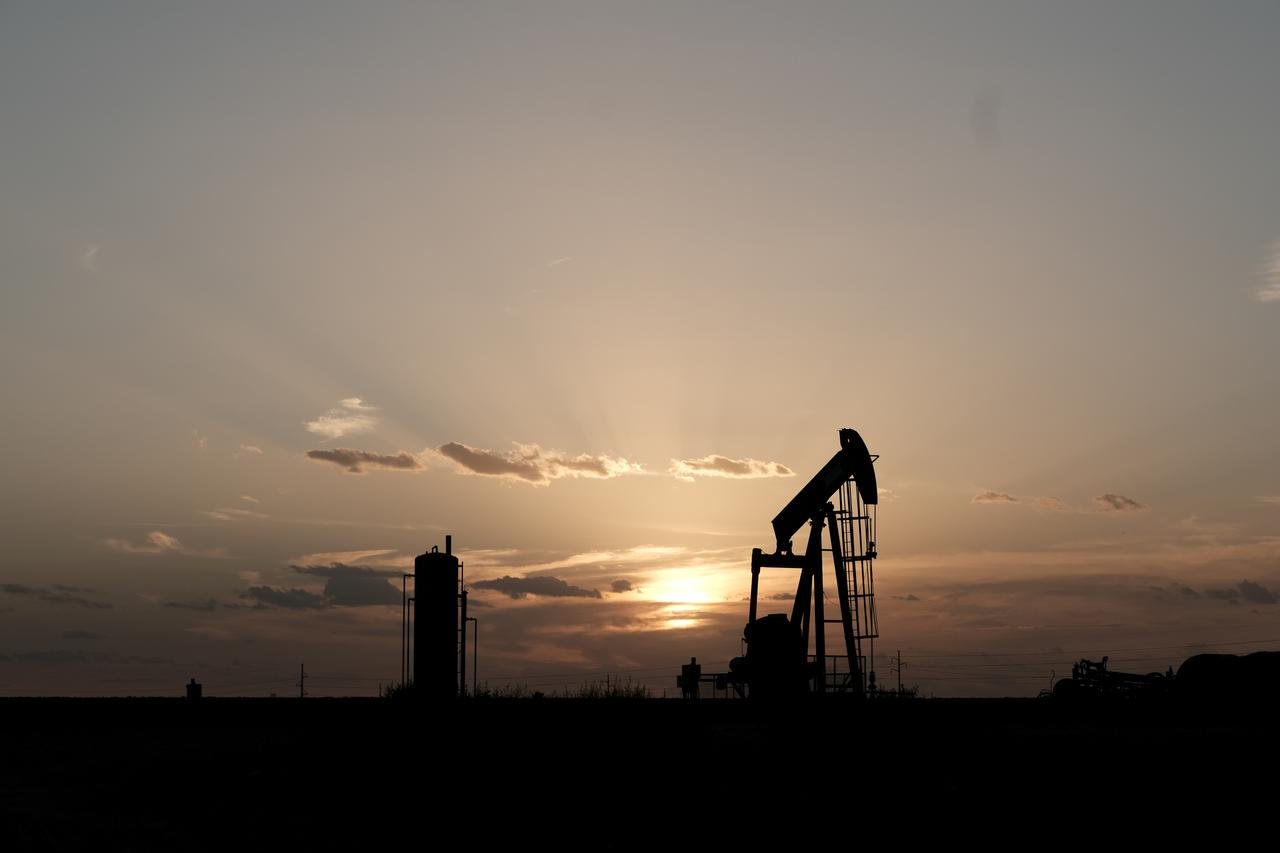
(81, 774)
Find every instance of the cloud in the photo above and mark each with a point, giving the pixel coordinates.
(558, 261)
(1270, 290)
(247, 450)
(231, 513)
(77, 656)
(1269, 499)
(715, 465)
(1246, 590)
(355, 460)
(207, 605)
(1111, 502)
(993, 498)
(542, 585)
(529, 463)
(368, 557)
(1256, 593)
(250, 498)
(58, 594)
(158, 542)
(350, 417)
(81, 635)
(198, 441)
(291, 599)
(621, 585)
(355, 586)
(89, 257)
(911, 596)
(1049, 504)
(345, 586)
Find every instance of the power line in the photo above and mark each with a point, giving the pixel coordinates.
(1069, 653)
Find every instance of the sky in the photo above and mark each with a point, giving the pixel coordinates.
(292, 290)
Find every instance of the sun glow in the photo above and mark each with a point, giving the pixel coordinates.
(681, 587)
(687, 595)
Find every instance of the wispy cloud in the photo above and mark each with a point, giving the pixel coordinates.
(57, 594)
(345, 586)
(1102, 503)
(208, 604)
(291, 599)
(1112, 502)
(355, 586)
(542, 585)
(368, 557)
(1269, 499)
(250, 498)
(350, 417)
(157, 543)
(716, 465)
(89, 257)
(231, 513)
(355, 461)
(198, 441)
(529, 463)
(247, 450)
(1247, 591)
(1270, 290)
(558, 261)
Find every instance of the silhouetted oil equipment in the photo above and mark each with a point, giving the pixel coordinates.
(194, 689)
(475, 648)
(434, 625)
(1215, 677)
(777, 661)
(690, 676)
(1090, 679)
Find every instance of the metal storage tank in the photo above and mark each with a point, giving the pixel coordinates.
(436, 586)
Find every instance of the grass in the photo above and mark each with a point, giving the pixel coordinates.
(607, 688)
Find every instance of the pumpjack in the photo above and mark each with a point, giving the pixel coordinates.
(777, 662)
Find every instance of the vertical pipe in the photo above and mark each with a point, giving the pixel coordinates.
(819, 614)
(475, 653)
(462, 649)
(755, 583)
(404, 629)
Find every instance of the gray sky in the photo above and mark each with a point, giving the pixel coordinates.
(1030, 251)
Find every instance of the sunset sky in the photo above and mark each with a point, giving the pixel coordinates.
(290, 290)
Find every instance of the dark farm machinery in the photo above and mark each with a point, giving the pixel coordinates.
(1220, 679)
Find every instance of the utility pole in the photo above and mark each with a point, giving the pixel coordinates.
(898, 669)
(302, 680)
